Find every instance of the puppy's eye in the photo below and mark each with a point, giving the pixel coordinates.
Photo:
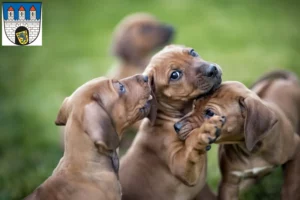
(209, 113)
(122, 88)
(193, 53)
(175, 75)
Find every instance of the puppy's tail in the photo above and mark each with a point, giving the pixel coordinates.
(277, 74)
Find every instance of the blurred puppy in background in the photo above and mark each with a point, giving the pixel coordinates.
(135, 38)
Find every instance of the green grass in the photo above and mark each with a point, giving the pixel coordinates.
(246, 38)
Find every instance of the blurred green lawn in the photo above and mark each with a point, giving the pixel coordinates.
(246, 38)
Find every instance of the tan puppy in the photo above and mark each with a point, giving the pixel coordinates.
(260, 132)
(158, 165)
(95, 116)
(134, 40)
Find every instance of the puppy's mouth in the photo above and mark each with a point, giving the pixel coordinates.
(214, 87)
(146, 108)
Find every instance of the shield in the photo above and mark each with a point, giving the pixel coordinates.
(22, 37)
(22, 23)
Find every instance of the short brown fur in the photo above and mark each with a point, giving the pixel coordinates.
(95, 116)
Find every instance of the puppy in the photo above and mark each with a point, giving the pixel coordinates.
(158, 165)
(134, 39)
(95, 116)
(260, 132)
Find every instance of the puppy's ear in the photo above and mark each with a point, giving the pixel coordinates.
(99, 125)
(63, 114)
(153, 109)
(258, 122)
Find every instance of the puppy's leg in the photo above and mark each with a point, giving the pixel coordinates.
(229, 184)
(291, 183)
(189, 162)
(228, 188)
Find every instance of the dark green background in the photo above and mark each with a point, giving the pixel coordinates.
(246, 38)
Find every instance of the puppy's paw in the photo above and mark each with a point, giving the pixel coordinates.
(209, 131)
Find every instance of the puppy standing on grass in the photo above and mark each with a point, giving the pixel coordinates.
(261, 132)
(158, 165)
(134, 40)
(95, 116)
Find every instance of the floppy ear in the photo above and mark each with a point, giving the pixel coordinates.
(259, 120)
(63, 113)
(99, 125)
(153, 109)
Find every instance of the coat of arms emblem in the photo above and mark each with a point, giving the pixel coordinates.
(21, 24)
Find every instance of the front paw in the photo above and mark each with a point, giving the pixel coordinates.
(209, 131)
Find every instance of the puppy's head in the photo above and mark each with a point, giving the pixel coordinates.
(138, 35)
(248, 118)
(178, 74)
(103, 106)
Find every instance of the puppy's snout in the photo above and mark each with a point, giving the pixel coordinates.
(223, 120)
(145, 78)
(169, 29)
(142, 79)
(177, 126)
(168, 32)
(212, 71)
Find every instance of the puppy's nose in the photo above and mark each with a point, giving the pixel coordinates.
(169, 28)
(212, 71)
(145, 78)
(177, 126)
(223, 120)
(168, 32)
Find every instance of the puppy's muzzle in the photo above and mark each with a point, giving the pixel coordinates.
(213, 71)
(168, 32)
(182, 129)
(177, 127)
(142, 79)
(145, 78)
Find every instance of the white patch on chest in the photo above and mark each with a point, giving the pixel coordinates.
(252, 172)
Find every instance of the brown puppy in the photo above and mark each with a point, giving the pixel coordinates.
(134, 39)
(260, 132)
(158, 165)
(95, 116)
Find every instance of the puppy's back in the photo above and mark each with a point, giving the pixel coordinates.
(283, 89)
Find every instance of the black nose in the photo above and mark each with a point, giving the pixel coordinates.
(212, 70)
(145, 78)
(169, 28)
(168, 32)
(177, 126)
